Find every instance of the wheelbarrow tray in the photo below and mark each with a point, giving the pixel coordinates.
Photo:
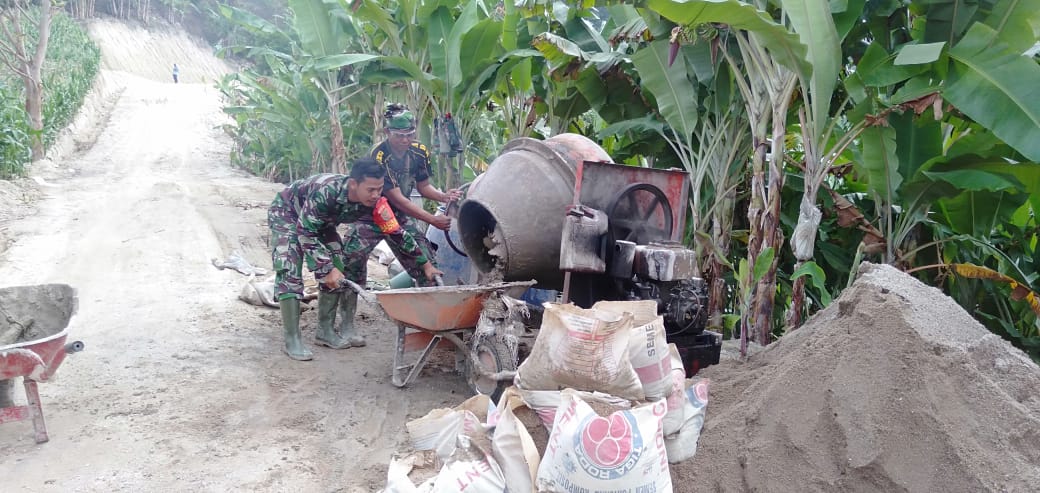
(442, 308)
(46, 310)
(37, 359)
(427, 316)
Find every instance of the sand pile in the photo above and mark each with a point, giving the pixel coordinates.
(893, 387)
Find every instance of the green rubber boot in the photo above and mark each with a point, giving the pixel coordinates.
(327, 335)
(347, 330)
(294, 347)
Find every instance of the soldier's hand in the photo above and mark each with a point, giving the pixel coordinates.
(453, 195)
(431, 271)
(333, 279)
(441, 222)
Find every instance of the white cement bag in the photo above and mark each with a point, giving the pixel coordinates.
(621, 452)
(648, 347)
(513, 447)
(383, 254)
(397, 480)
(682, 444)
(676, 414)
(439, 429)
(581, 349)
(470, 469)
(546, 402)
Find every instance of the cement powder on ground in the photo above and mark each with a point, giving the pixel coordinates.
(894, 387)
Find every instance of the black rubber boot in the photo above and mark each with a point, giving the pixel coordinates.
(327, 335)
(294, 347)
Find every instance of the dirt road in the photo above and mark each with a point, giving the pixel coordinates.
(181, 386)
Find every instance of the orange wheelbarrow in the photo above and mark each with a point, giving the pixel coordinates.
(427, 317)
(38, 316)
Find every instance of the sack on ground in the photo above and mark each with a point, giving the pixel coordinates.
(647, 347)
(682, 444)
(513, 447)
(439, 429)
(584, 350)
(471, 468)
(546, 402)
(622, 451)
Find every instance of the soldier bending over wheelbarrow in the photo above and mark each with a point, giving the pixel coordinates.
(303, 220)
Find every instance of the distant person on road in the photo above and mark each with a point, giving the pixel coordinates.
(303, 220)
(176, 73)
(407, 165)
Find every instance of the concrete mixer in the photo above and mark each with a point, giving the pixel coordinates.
(560, 212)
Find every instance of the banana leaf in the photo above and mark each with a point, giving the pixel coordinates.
(314, 25)
(465, 21)
(997, 88)
(946, 20)
(812, 20)
(676, 95)
(784, 45)
(1016, 23)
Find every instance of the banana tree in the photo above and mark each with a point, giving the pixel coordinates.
(983, 76)
(446, 56)
(301, 88)
(771, 61)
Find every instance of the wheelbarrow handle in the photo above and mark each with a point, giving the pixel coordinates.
(362, 292)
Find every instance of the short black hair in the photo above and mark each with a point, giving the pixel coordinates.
(366, 167)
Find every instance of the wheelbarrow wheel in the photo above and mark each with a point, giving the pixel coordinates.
(495, 354)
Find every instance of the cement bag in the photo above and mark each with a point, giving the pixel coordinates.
(471, 468)
(676, 415)
(682, 444)
(258, 292)
(439, 429)
(546, 402)
(397, 480)
(581, 349)
(647, 348)
(621, 452)
(512, 446)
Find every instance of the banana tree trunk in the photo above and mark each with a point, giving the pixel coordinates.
(769, 229)
(755, 211)
(339, 153)
(722, 222)
(803, 240)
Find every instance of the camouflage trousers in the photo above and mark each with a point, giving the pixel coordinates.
(288, 258)
(363, 236)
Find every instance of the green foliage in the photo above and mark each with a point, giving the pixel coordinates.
(922, 114)
(15, 150)
(71, 65)
(73, 61)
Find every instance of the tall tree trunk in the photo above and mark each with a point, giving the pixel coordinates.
(34, 108)
(32, 78)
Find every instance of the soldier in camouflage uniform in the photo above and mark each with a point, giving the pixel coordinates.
(303, 220)
(408, 167)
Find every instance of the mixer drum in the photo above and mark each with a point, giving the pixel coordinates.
(512, 219)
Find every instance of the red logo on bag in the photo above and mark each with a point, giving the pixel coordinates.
(385, 218)
(609, 448)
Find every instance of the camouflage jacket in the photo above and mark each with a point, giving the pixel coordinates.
(319, 203)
